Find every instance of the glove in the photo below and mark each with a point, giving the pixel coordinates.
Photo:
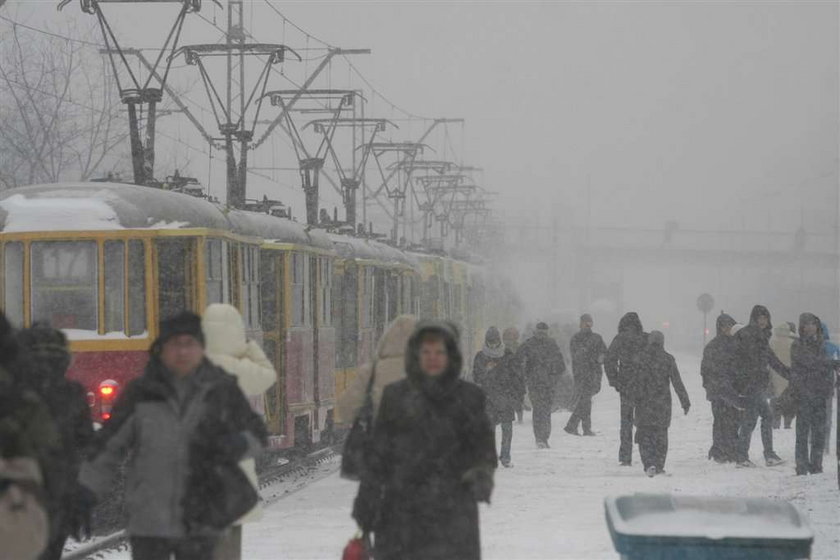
(82, 501)
(234, 446)
(366, 506)
(480, 483)
(685, 409)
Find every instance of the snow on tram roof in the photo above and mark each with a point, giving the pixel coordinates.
(368, 249)
(109, 206)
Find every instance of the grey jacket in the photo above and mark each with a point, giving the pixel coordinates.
(155, 428)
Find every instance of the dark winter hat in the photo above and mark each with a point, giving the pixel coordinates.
(185, 322)
(492, 338)
(586, 318)
(46, 345)
(725, 321)
(656, 338)
(542, 326)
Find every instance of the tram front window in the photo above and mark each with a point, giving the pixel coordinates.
(64, 284)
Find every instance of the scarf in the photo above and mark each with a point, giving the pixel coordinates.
(496, 353)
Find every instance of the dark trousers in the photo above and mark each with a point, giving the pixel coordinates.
(756, 408)
(653, 446)
(161, 548)
(229, 546)
(724, 431)
(582, 414)
(625, 449)
(507, 438)
(810, 435)
(541, 405)
(55, 546)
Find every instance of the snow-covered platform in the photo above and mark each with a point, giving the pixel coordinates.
(550, 504)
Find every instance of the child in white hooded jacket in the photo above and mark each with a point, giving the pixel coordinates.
(228, 348)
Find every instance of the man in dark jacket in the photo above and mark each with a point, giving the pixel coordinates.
(542, 365)
(45, 359)
(621, 367)
(433, 457)
(181, 402)
(755, 358)
(718, 370)
(657, 372)
(812, 380)
(588, 351)
(496, 370)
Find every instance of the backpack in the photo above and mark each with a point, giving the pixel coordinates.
(358, 442)
(24, 528)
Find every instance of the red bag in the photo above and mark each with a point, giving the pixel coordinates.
(357, 549)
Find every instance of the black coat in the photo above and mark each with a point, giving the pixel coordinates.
(502, 383)
(620, 363)
(542, 363)
(719, 367)
(755, 357)
(652, 389)
(588, 352)
(431, 440)
(811, 371)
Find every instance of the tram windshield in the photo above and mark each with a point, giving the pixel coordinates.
(64, 284)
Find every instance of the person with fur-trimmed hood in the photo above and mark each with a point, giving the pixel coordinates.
(652, 398)
(45, 357)
(496, 370)
(227, 346)
(755, 358)
(542, 366)
(179, 420)
(621, 367)
(433, 457)
(812, 381)
(718, 369)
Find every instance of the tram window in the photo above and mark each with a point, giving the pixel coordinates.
(300, 301)
(216, 263)
(175, 279)
(269, 296)
(114, 286)
(250, 286)
(13, 283)
(326, 292)
(64, 284)
(136, 288)
(368, 297)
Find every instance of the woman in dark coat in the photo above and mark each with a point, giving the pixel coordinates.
(433, 457)
(811, 380)
(657, 372)
(496, 370)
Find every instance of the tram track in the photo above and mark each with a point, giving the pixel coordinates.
(278, 480)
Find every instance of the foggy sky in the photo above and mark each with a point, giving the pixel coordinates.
(715, 114)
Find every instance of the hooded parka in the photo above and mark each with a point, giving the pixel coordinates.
(657, 373)
(620, 362)
(755, 357)
(227, 347)
(433, 459)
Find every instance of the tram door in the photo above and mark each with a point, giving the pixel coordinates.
(176, 286)
(272, 295)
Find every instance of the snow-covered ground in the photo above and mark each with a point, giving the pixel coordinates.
(550, 505)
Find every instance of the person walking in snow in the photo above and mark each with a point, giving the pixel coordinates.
(45, 357)
(812, 380)
(755, 358)
(510, 338)
(433, 457)
(652, 398)
(621, 366)
(718, 370)
(781, 402)
(542, 365)
(496, 370)
(588, 352)
(227, 347)
(181, 421)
